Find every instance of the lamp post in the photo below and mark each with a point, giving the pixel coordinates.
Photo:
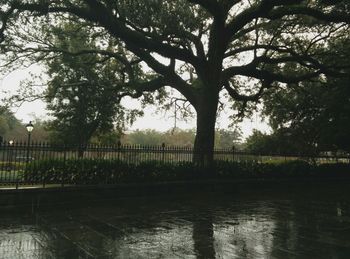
(29, 128)
(233, 150)
(10, 148)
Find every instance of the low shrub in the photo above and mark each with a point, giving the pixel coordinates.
(85, 171)
(11, 165)
(333, 170)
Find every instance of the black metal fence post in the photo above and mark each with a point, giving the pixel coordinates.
(37, 163)
(64, 165)
(233, 153)
(118, 150)
(163, 152)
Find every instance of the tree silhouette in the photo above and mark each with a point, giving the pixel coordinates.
(201, 48)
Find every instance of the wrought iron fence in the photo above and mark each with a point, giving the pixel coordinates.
(16, 159)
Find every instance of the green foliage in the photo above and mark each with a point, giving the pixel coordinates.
(83, 90)
(315, 114)
(144, 137)
(164, 18)
(95, 172)
(175, 137)
(281, 142)
(11, 166)
(333, 170)
(202, 49)
(312, 117)
(258, 143)
(86, 171)
(224, 139)
(10, 126)
(107, 139)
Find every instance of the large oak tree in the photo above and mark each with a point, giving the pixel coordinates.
(201, 48)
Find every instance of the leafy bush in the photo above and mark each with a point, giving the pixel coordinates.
(9, 165)
(85, 171)
(333, 170)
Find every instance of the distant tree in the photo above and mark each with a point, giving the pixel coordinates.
(108, 139)
(227, 139)
(144, 137)
(10, 126)
(83, 91)
(315, 113)
(258, 143)
(2, 109)
(180, 137)
(280, 142)
(173, 137)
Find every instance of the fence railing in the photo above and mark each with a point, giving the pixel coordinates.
(16, 159)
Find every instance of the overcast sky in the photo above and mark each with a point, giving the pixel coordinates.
(151, 120)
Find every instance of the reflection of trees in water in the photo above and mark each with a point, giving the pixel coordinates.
(141, 232)
(191, 229)
(227, 230)
(18, 244)
(309, 228)
(245, 232)
(30, 241)
(286, 231)
(216, 230)
(57, 237)
(203, 236)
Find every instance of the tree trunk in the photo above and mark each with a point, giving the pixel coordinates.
(206, 117)
(81, 151)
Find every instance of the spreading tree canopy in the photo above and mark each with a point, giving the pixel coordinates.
(315, 114)
(202, 48)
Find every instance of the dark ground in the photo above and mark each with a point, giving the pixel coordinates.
(292, 222)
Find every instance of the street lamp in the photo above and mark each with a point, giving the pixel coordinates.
(29, 128)
(11, 151)
(233, 150)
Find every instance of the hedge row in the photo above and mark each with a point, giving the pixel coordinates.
(109, 171)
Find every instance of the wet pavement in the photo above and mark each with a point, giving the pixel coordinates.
(196, 226)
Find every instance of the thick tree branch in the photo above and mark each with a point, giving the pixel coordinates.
(4, 17)
(333, 16)
(137, 89)
(255, 11)
(117, 27)
(303, 59)
(168, 72)
(98, 13)
(280, 49)
(213, 7)
(245, 98)
(251, 70)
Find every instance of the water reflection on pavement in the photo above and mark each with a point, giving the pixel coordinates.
(201, 226)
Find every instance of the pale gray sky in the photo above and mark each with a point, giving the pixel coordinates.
(151, 120)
